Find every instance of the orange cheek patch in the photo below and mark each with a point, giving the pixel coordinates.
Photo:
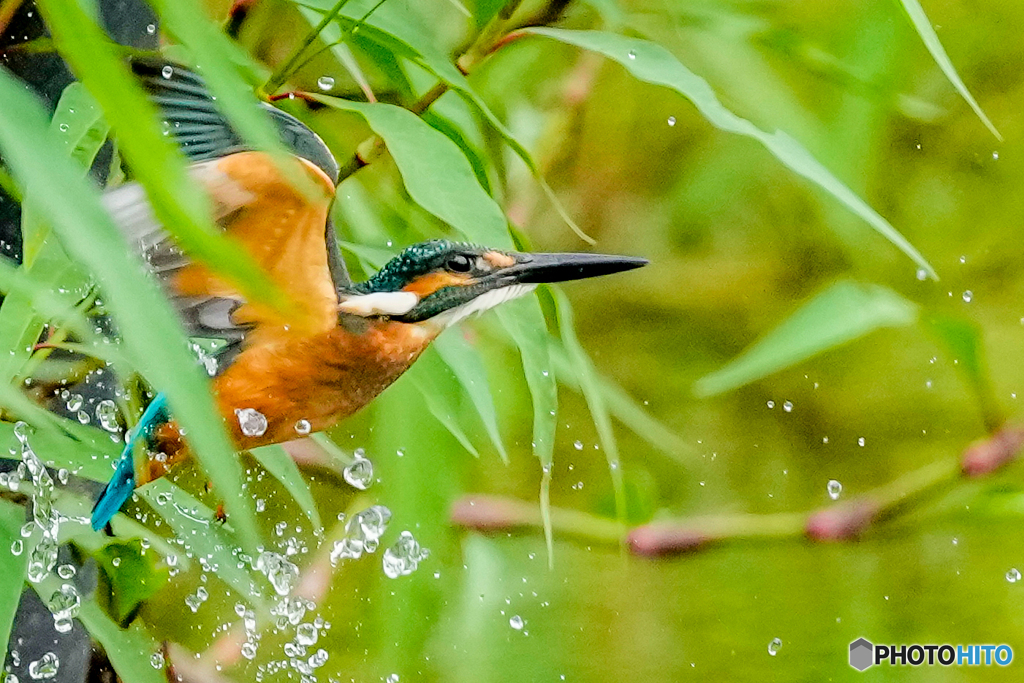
(499, 260)
(427, 284)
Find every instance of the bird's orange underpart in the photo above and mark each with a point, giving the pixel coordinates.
(282, 229)
(499, 259)
(426, 285)
(320, 378)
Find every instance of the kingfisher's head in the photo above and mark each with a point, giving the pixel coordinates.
(444, 282)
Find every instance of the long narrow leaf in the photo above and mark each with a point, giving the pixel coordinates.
(276, 461)
(931, 41)
(12, 517)
(843, 312)
(652, 63)
(464, 362)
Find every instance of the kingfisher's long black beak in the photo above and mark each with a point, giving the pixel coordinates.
(543, 268)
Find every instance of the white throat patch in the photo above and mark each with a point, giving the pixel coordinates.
(484, 302)
(379, 303)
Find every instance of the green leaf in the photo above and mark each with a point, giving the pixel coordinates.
(588, 381)
(79, 122)
(931, 41)
(132, 576)
(281, 466)
(156, 162)
(13, 567)
(962, 339)
(436, 400)
(465, 363)
(130, 650)
(525, 324)
(436, 173)
(843, 312)
(652, 63)
(152, 336)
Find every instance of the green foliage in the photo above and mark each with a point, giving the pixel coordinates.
(461, 162)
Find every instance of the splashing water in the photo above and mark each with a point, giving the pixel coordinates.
(106, 414)
(363, 533)
(359, 473)
(47, 520)
(404, 556)
(282, 574)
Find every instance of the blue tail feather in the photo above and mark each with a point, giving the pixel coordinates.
(121, 485)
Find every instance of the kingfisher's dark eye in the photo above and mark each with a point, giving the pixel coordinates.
(458, 264)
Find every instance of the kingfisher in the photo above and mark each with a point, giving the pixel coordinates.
(281, 376)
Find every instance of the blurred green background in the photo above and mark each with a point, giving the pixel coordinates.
(737, 243)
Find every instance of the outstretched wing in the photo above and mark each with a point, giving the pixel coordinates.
(279, 226)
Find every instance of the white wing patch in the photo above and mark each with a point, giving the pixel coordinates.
(484, 302)
(379, 303)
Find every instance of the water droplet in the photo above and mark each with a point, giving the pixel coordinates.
(303, 427)
(251, 421)
(516, 622)
(359, 473)
(167, 71)
(671, 121)
(66, 571)
(631, 54)
(788, 406)
(151, 29)
(392, 678)
(967, 296)
(995, 155)
(404, 556)
(860, 441)
(74, 402)
(771, 404)
(157, 660)
(835, 489)
(773, 647)
(1013, 576)
(64, 606)
(922, 274)
(249, 650)
(282, 574)
(63, 128)
(45, 667)
(325, 83)
(17, 547)
(42, 558)
(363, 533)
(106, 413)
(305, 634)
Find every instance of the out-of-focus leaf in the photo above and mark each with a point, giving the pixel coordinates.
(131, 576)
(276, 461)
(652, 63)
(441, 408)
(587, 376)
(80, 124)
(843, 312)
(130, 649)
(436, 173)
(152, 337)
(931, 41)
(626, 410)
(525, 323)
(196, 527)
(962, 339)
(13, 567)
(464, 362)
(157, 164)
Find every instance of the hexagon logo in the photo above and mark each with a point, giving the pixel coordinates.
(861, 654)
